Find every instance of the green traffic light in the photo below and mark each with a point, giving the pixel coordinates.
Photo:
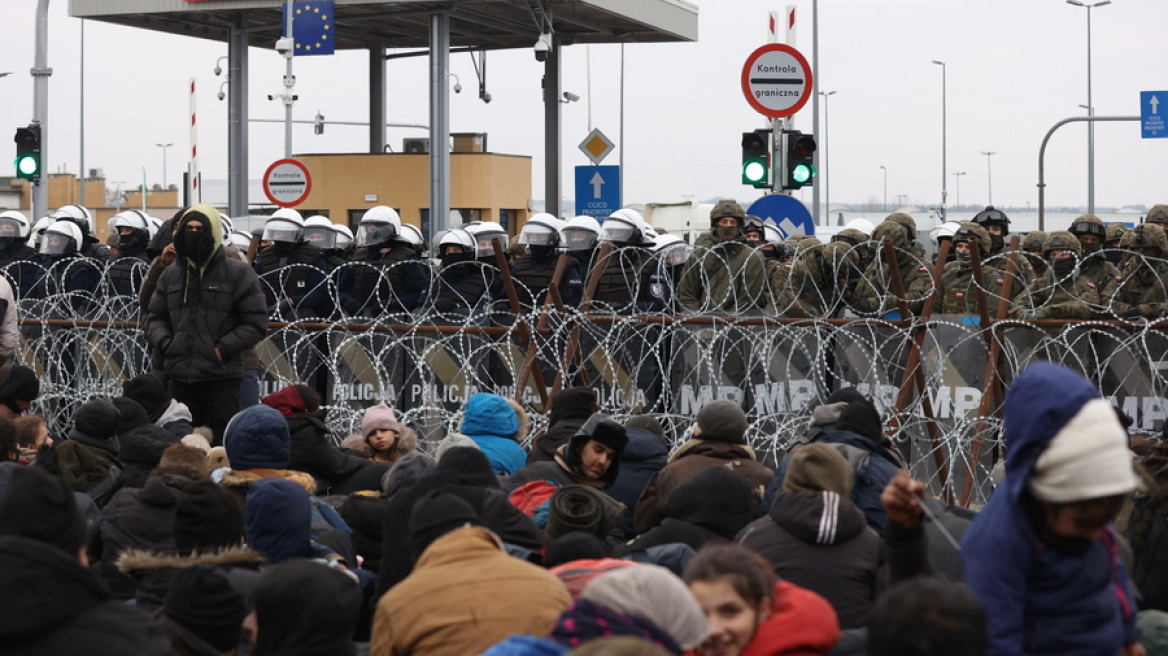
(803, 173)
(754, 171)
(26, 165)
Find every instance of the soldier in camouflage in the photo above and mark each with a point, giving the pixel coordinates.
(1032, 248)
(1142, 292)
(958, 287)
(1094, 263)
(1064, 291)
(817, 281)
(874, 293)
(724, 274)
(997, 224)
(1112, 249)
(1158, 215)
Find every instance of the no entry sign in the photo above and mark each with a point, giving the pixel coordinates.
(287, 182)
(776, 80)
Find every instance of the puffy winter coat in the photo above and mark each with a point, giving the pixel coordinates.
(820, 541)
(801, 623)
(495, 426)
(642, 457)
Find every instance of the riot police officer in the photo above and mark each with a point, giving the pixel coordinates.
(386, 275)
(292, 271)
(533, 270)
(128, 267)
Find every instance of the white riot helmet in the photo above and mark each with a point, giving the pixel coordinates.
(541, 230)
(38, 229)
(239, 239)
(626, 227)
(319, 232)
(75, 213)
(673, 249)
(378, 225)
(228, 228)
(944, 231)
(581, 234)
(863, 225)
(61, 238)
(14, 225)
(344, 239)
(456, 237)
(412, 234)
(284, 226)
(135, 220)
(485, 232)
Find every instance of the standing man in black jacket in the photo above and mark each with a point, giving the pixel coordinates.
(203, 315)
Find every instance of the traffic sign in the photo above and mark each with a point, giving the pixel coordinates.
(790, 215)
(287, 182)
(776, 80)
(1151, 118)
(597, 191)
(596, 146)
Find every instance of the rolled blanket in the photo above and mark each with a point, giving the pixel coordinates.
(581, 508)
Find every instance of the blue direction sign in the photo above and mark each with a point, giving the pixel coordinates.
(597, 190)
(1151, 118)
(790, 215)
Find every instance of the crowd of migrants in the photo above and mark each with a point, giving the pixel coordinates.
(182, 517)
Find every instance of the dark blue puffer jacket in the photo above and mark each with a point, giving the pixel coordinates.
(1038, 600)
(278, 520)
(258, 438)
(644, 455)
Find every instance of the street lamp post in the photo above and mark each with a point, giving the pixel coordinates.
(944, 140)
(957, 175)
(885, 169)
(164, 147)
(989, 174)
(1090, 108)
(826, 180)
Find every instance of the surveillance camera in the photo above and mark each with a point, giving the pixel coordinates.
(222, 95)
(271, 96)
(543, 46)
(486, 96)
(457, 88)
(218, 70)
(284, 45)
(571, 97)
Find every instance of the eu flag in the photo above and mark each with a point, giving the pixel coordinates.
(312, 27)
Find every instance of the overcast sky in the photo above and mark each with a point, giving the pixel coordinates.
(1015, 67)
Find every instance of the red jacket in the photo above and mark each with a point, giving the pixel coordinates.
(801, 623)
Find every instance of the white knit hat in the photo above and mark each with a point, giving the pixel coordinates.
(1087, 459)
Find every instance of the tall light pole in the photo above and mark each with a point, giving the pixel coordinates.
(1090, 108)
(944, 140)
(164, 147)
(826, 180)
(885, 169)
(957, 175)
(989, 174)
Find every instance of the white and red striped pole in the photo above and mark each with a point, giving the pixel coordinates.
(790, 23)
(193, 167)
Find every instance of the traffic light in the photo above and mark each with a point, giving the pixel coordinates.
(756, 158)
(798, 149)
(28, 152)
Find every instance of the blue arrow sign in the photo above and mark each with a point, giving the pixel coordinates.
(790, 215)
(597, 190)
(1151, 116)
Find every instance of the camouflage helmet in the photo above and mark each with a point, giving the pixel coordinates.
(891, 230)
(1116, 231)
(728, 207)
(1158, 214)
(1146, 235)
(753, 224)
(1088, 224)
(1034, 241)
(850, 236)
(1062, 240)
(970, 230)
(910, 225)
(807, 242)
(992, 216)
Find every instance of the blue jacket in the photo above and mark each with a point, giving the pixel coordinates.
(873, 465)
(643, 456)
(278, 520)
(492, 423)
(1038, 600)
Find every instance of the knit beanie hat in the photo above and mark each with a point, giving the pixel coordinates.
(817, 468)
(862, 418)
(379, 417)
(131, 413)
(653, 593)
(573, 403)
(21, 384)
(1087, 459)
(435, 515)
(258, 438)
(202, 601)
(150, 393)
(649, 423)
(206, 518)
(722, 421)
(40, 506)
(577, 545)
(98, 419)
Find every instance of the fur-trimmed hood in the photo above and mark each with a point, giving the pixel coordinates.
(147, 560)
(241, 481)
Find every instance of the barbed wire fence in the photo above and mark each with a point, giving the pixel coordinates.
(937, 379)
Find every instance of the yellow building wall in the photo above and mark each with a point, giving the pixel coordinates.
(487, 182)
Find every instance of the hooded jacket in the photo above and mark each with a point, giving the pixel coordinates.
(141, 452)
(141, 518)
(644, 456)
(494, 425)
(570, 409)
(820, 541)
(711, 507)
(1039, 600)
(154, 571)
(66, 609)
(690, 459)
(305, 608)
(464, 595)
(198, 307)
(801, 623)
(312, 451)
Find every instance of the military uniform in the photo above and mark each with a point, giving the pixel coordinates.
(1143, 292)
(723, 276)
(874, 291)
(816, 281)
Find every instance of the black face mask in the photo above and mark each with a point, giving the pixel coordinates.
(131, 244)
(541, 252)
(284, 247)
(1062, 267)
(11, 243)
(195, 246)
(449, 259)
(1114, 255)
(1090, 249)
(997, 243)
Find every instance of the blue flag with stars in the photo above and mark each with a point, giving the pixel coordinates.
(312, 27)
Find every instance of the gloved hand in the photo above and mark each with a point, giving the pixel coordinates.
(444, 305)
(863, 306)
(1133, 313)
(1037, 314)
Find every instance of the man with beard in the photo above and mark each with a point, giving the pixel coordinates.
(204, 314)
